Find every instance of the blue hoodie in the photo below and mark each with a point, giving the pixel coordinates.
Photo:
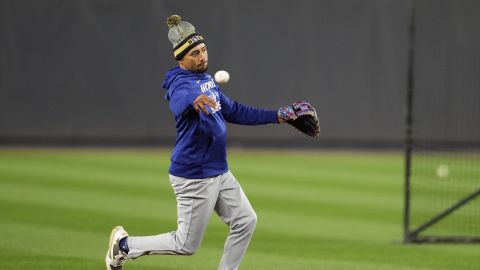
(200, 148)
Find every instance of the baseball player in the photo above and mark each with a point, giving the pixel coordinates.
(199, 173)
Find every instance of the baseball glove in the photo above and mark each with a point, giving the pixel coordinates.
(303, 117)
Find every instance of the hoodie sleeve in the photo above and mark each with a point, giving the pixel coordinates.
(237, 113)
(182, 97)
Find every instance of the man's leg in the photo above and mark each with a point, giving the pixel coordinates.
(195, 202)
(235, 210)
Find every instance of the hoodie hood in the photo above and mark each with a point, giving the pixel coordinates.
(177, 76)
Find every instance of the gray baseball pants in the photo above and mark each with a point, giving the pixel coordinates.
(196, 200)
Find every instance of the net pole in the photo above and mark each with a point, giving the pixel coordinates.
(409, 118)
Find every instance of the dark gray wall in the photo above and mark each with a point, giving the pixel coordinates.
(92, 70)
(447, 79)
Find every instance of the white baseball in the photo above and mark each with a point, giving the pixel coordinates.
(442, 171)
(222, 77)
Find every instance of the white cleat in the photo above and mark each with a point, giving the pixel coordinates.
(115, 257)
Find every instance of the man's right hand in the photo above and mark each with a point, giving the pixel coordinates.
(201, 103)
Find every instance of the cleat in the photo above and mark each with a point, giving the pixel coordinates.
(115, 257)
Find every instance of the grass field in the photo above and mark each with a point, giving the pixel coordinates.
(316, 210)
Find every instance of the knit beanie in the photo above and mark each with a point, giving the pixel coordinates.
(182, 35)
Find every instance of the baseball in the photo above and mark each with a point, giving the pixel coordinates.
(442, 171)
(222, 76)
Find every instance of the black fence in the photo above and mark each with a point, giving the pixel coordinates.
(443, 124)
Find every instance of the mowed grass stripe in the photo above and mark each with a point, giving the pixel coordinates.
(130, 204)
(297, 250)
(117, 173)
(82, 248)
(359, 162)
(298, 202)
(134, 204)
(311, 176)
(120, 160)
(88, 181)
(321, 195)
(154, 186)
(61, 218)
(105, 165)
(57, 216)
(321, 175)
(162, 218)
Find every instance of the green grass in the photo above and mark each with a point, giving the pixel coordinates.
(316, 210)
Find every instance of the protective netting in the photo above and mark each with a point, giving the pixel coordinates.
(445, 156)
(439, 181)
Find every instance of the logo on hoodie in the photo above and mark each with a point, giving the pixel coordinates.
(212, 94)
(207, 86)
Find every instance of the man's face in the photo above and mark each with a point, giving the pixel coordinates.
(196, 59)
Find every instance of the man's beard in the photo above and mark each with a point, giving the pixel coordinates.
(202, 68)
